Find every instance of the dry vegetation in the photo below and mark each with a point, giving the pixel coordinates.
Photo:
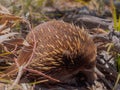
(18, 17)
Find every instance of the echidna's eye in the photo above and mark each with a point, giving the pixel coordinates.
(90, 65)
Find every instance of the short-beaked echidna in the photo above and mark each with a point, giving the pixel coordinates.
(62, 50)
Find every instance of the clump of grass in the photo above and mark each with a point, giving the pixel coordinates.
(83, 1)
(116, 26)
(116, 20)
(118, 67)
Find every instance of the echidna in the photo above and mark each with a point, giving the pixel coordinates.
(62, 51)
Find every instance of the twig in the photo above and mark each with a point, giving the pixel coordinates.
(20, 72)
(20, 68)
(34, 46)
(42, 74)
(16, 62)
(13, 51)
(98, 72)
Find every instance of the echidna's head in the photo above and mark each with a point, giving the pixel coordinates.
(81, 51)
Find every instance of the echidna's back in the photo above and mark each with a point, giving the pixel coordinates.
(61, 44)
(62, 50)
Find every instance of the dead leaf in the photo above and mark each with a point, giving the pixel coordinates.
(6, 37)
(4, 10)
